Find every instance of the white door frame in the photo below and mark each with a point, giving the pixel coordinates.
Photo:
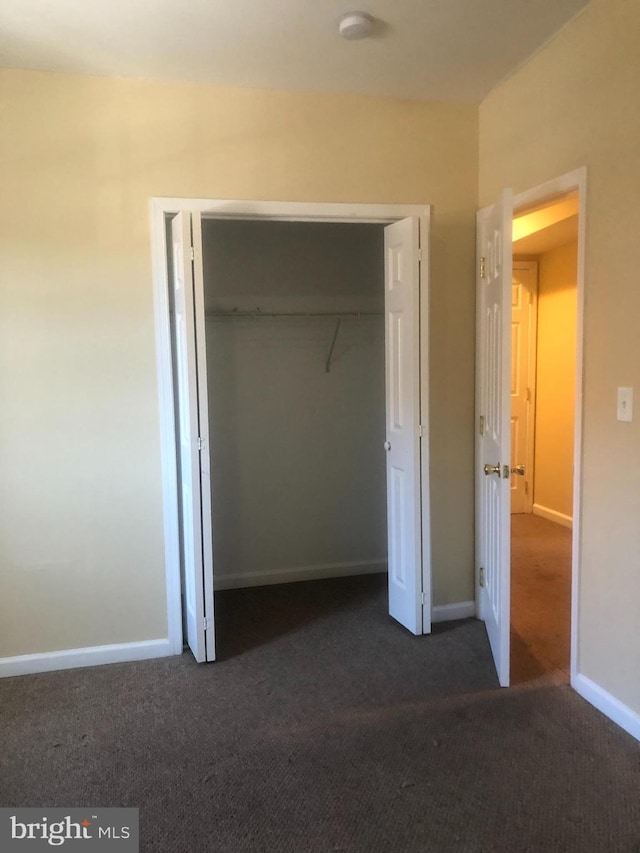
(575, 181)
(160, 208)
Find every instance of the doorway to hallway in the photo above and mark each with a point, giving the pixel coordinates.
(499, 424)
(543, 380)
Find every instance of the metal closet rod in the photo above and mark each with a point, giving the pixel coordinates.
(258, 313)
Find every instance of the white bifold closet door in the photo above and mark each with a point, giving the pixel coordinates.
(493, 395)
(409, 590)
(193, 435)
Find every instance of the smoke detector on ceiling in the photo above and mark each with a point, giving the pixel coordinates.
(355, 25)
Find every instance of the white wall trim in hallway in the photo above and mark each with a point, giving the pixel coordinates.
(92, 656)
(553, 515)
(456, 610)
(620, 713)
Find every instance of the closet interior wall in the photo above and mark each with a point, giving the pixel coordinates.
(296, 399)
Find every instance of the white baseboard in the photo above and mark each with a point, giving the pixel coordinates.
(91, 656)
(606, 703)
(305, 573)
(457, 610)
(552, 515)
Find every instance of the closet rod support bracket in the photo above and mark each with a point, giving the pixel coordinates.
(333, 344)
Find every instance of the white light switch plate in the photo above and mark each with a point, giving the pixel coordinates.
(625, 404)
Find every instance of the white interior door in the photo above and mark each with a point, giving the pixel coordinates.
(524, 291)
(193, 435)
(403, 443)
(493, 394)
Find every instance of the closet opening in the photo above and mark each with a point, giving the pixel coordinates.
(293, 367)
(294, 317)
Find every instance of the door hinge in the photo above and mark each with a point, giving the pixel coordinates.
(481, 426)
(481, 576)
(483, 264)
(200, 443)
(528, 395)
(207, 623)
(421, 431)
(419, 254)
(423, 598)
(526, 487)
(193, 254)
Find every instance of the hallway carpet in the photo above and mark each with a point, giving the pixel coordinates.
(325, 726)
(540, 599)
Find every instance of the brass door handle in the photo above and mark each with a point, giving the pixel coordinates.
(492, 469)
(519, 469)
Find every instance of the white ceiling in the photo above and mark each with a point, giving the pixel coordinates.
(422, 49)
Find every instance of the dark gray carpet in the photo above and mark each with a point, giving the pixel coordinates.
(325, 727)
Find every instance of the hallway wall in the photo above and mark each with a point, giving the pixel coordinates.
(555, 386)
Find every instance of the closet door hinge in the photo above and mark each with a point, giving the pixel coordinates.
(423, 598)
(421, 431)
(200, 443)
(419, 254)
(193, 254)
(207, 623)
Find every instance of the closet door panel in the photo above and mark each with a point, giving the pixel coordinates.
(195, 526)
(402, 373)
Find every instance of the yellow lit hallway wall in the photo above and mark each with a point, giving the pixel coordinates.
(81, 539)
(555, 383)
(575, 103)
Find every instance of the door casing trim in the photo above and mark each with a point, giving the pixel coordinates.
(159, 209)
(574, 181)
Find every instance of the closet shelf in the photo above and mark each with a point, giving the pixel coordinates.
(338, 316)
(258, 313)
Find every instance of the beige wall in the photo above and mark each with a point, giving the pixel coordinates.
(81, 541)
(555, 379)
(574, 104)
